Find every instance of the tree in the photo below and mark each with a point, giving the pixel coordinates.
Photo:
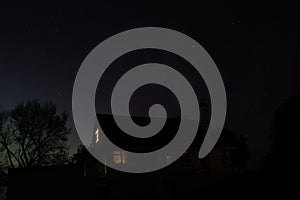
(240, 152)
(5, 138)
(80, 155)
(3, 176)
(34, 134)
(284, 155)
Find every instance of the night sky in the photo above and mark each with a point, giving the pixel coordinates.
(256, 48)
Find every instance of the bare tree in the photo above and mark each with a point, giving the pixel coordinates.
(33, 134)
(6, 139)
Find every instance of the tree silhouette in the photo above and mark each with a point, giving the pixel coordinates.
(284, 156)
(34, 134)
(3, 176)
(80, 154)
(240, 152)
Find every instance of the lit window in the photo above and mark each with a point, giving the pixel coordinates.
(97, 135)
(119, 157)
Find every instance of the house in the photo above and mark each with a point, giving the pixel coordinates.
(218, 162)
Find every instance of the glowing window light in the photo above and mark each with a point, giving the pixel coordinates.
(97, 135)
(119, 157)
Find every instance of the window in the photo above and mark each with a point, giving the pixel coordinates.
(119, 157)
(97, 135)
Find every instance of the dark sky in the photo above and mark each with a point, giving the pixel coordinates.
(256, 48)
